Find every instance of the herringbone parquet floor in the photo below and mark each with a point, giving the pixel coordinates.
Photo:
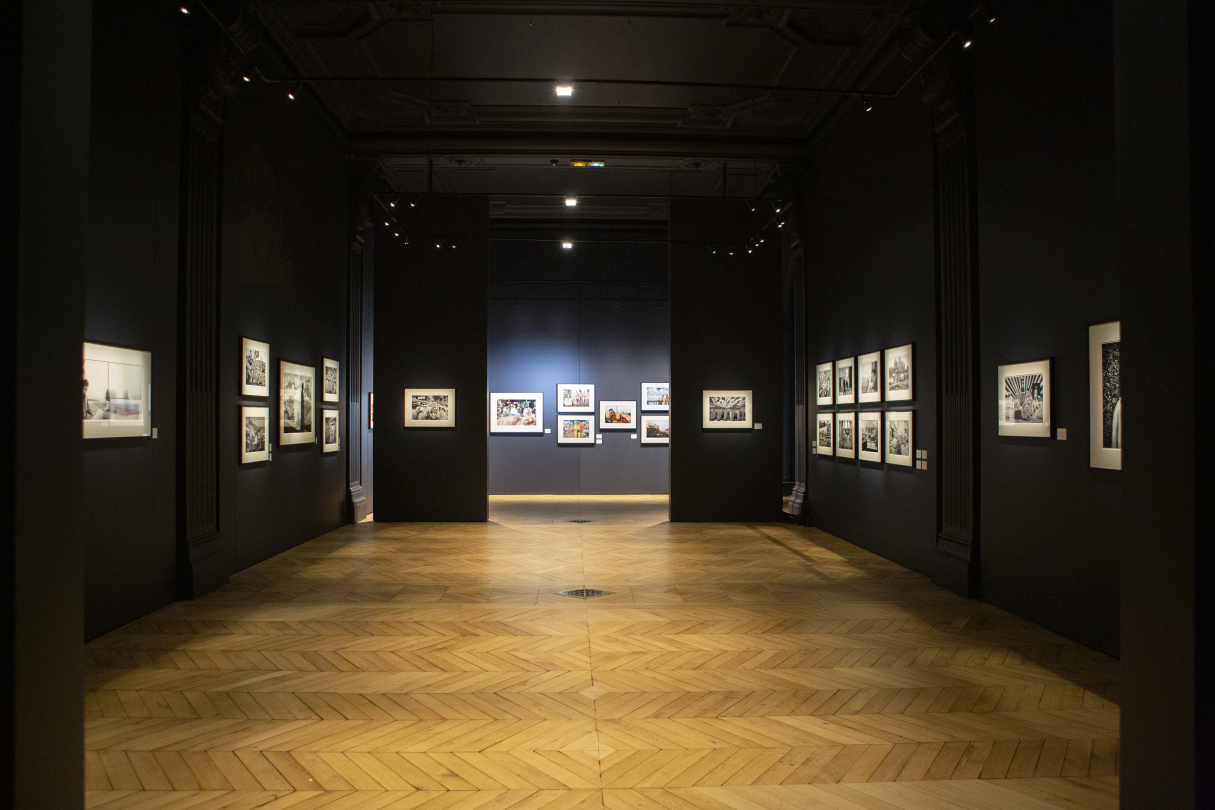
(429, 666)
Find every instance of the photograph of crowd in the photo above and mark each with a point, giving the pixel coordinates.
(656, 430)
(255, 358)
(329, 368)
(1104, 395)
(727, 409)
(1023, 399)
(825, 434)
(898, 373)
(576, 397)
(655, 396)
(575, 430)
(296, 406)
(516, 412)
(426, 408)
(617, 413)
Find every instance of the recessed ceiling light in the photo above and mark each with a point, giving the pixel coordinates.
(567, 245)
(571, 201)
(565, 89)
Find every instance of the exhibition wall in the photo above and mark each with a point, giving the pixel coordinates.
(725, 335)
(595, 313)
(368, 460)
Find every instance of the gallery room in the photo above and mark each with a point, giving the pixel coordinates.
(602, 404)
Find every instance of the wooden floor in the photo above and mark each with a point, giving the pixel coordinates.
(735, 666)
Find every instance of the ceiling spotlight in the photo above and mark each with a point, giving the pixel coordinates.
(567, 245)
(570, 202)
(392, 205)
(185, 9)
(246, 78)
(967, 44)
(565, 89)
(866, 104)
(397, 233)
(780, 224)
(291, 93)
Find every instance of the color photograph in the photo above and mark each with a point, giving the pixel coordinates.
(656, 396)
(575, 429)
(618, 413)
(656, 430)
(575, 398)
(516, 413)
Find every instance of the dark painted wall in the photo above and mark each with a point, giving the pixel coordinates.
(870, 261)
(596, 314)
(430, 333)
(368, 462)
(1048, 263)
(130, 300)
(725, 334)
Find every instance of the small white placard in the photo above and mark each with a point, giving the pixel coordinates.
(1061, 434)
(598, 441)
(548, 430)
(632, 435)
(153, 433)
(759, 425)
(599, 437)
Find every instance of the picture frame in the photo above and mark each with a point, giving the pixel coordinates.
(575, 398)
(656, 429)
(845, 381)
(845, 434)
(430, 407)
(869, 436)
(575, 428)
(655, 397)
(825, 434)
(117, 392)
(617, 414)
(255, 434)
(330, 381)
(1024, 399)
(516, 412)
(255, 368)
(331, 437)
(898, 371)
(900, 438)
(869, 377)
(296, 403)
(727, 409)
(824, 376)
(1105, 395)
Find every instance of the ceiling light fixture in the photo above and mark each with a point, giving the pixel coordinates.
(185, 9)
(565, 89)
(866, 104)
(571, 201)
(567, 245)
(246, 78)
(967, 44)
(291, 93)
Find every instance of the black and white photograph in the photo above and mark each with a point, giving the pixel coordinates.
(618, 413)
(255, 368)
(1025, 399)
(656, 396)
(824, 375)
(655, 430)
(329, 372)
(1105, 395)
(329, 431)
(869, 377)
(900, 440)
(845, 381)
(869, 436)
(430, 407)
(899, 383)
(297, 403)
(727, 410)
(575, 429)
(255, 436)
(575, 398)
(825, 435)
(845, 435)
(117, 392)
(516, 412)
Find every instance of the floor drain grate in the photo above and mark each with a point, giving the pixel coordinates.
(585, 593)
(580, 521)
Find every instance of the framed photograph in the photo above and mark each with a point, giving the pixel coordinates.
(869, 377)
(296, 403)
(825, 379)
(255, 362)
(255, 434)
(618, 413)
(329, 368)
(898, 374)
(869, 432)
(845, 435)
(655, 430)
(656, 396)
(845, 381)
(430, 407)
(1025, 399)
(117, 392)
(1105, 396)
(826, 434)
(516, 413)
(575, 398)
(371, 411)
(727, 410)
(329, 431)
(575, 428)
(900, 438)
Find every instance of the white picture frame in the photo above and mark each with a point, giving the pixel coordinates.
(618, 414)
(430, 407)
(898, 372)
(516, 412)
(869, 377)
(330, 380)
(255, 368)
(1105, 395)
(655, 429)
(331, 435)
(727, 409)
(869, 436)
(575, 398)
(845, 434)
(824, 434)
(254, 433)
(296, 403)
(576, 428)
(655, 397)
(117, 392)
(824, 381)
(845, 381)
(1024, 399)
(899, 441)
